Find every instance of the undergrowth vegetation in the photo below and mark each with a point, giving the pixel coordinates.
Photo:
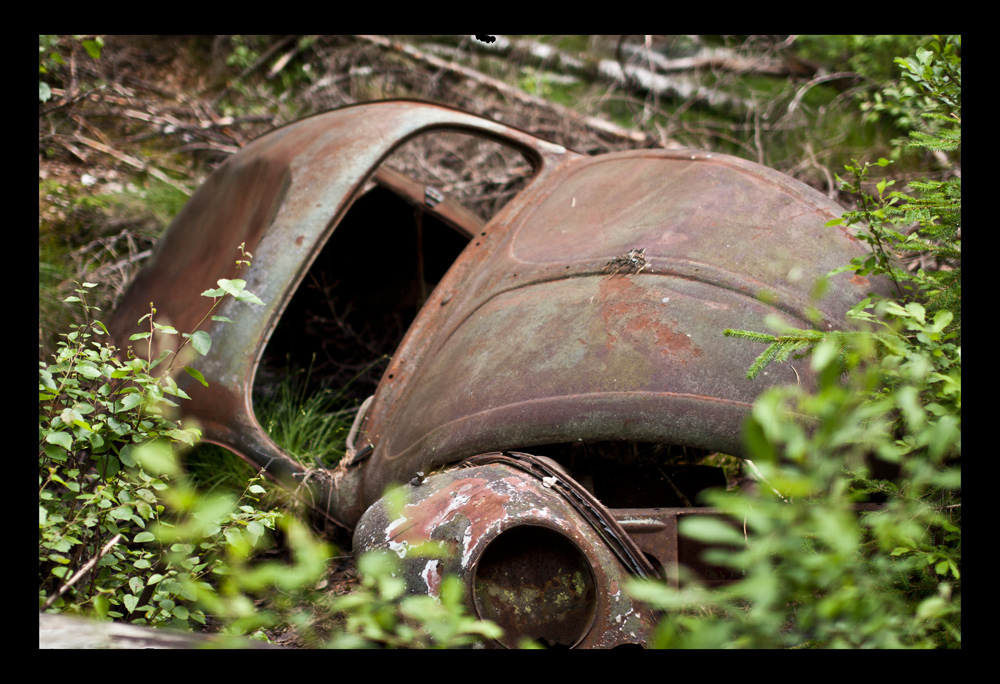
(126, 533)
(817, 572)
(107, 473)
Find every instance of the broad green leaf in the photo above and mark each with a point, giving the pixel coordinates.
(201, 341)
(144, 537)
(130, 401)
(101, 605)
(46, 380)
(824, 353)
(233, 287)
(122, 513)
(63, 439)
(255, 529)
(895, 309)
(165, 329)
(194, 373)
(127, 456)
(941, 320)
(130, 602)
(84, 425)
(55, 453)
(69, 415)
(249, 297)
(157, 457)
(93, 48)
(916, 310)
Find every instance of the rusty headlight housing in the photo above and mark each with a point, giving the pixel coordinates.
(536, 583)
(529, 560)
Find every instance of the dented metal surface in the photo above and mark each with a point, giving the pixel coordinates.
(590, 308)
(281, 196)
(541, 344)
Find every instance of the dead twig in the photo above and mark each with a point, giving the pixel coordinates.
(132, 161)
(72, 100)
(82, 571)
(627, 264)
(509, 91)
(816, 81)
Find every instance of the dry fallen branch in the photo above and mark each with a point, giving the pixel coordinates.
(83, 571)
(718, 59)
(63, 631)
(132, 161)
(592, 122)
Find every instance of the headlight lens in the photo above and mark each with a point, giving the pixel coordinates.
(535, 583)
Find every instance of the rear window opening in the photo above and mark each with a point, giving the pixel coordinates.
(359, 298)
(381, 263)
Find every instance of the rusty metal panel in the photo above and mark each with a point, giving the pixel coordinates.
(429, 198)
(590, 308)
(654, 530)
(282, 196)
(532, 339)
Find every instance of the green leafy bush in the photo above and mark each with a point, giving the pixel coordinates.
(817, 572)
(379, 612)
(125, 535)
(105, 473)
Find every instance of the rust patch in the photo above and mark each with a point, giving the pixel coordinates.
(666, 339)
(627, 307)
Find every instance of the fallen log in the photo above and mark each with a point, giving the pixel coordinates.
(63, 631)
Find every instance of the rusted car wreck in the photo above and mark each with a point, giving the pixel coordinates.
(577, 330)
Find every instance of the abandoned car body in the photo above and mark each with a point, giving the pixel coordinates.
(580, 325)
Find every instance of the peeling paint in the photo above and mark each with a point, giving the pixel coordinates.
(432, 578)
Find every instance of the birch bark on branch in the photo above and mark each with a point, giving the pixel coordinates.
(592, 122)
